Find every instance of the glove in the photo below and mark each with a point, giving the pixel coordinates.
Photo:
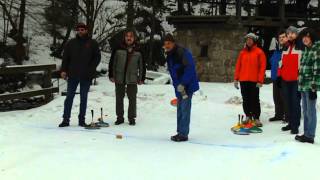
(259, 85)
(182, 91)
(279, 82)
(313, 95)
(236, 84)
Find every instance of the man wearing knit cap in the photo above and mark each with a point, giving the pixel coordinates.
(250, 71)
(185, 81)
(81, 56)
(288, 74)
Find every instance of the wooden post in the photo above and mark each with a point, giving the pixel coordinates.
(282, 12)
(238, 8)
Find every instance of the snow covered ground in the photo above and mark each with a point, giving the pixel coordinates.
(33, 147)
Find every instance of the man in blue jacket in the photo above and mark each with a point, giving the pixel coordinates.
(280, 107)
(185, 81)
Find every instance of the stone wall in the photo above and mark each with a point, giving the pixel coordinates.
(224, 44)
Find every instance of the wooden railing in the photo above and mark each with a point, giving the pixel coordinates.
(47, 87)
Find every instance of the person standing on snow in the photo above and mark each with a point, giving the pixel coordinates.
(250, 71)
(126, 70)
(185, 81)
(288, 74)
(281, 111)
(81, 57)
(309, 83)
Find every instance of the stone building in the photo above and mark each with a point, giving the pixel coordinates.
(216, 41)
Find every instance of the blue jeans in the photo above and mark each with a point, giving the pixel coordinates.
(183, 115)
(292, 98)
(71, 91)
(309, 115)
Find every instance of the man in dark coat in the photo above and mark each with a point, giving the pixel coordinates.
(81, 57)
(185, 81)
(126, 70)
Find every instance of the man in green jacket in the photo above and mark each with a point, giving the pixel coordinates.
(309, 83)
(126, 70)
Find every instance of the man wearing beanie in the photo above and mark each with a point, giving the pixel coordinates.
(80, 59)
(288, 74)
(185, 81)
(250, 71)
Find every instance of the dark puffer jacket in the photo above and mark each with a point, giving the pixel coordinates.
(81, 57)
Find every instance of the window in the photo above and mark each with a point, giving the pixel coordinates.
(204, 51)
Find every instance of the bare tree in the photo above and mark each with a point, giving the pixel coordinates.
(130, 13)
(91, 9)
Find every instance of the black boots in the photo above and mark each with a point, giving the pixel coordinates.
(275, 119)
(179, 138)
(119, 121)
(292, 130)
(64, 123)
(83, 124)
(132, 122)
(286, 128)
(304, 139)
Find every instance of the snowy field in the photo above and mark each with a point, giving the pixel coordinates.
(33, 147)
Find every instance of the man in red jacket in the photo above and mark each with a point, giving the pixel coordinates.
(288, 73)
(250, 71)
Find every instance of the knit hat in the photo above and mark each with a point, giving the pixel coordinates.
(292, 29)
(251, 36)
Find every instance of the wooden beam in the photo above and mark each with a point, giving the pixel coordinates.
(26, 68)
(20, 95)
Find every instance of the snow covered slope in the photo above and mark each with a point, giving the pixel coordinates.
(33, 147)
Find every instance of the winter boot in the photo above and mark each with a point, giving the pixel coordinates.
(83, 124)
(179, 138)
(304, 139)
(286, 128)
(64, 123)
(132, 122)
(119, 121)
(258, 123)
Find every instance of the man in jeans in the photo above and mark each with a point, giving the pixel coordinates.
(309, 83)
(281, 112)
(81, 57)
(288, 74)
(126, 70)
(182, 70)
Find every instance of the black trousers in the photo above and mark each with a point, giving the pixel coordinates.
(131, 90)
(280, 106)
(293, 99)
(250, 97)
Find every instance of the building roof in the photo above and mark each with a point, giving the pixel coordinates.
(257, 21)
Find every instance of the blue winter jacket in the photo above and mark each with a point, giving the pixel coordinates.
(274, 61)
(182, 70)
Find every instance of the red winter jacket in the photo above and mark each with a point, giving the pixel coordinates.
(289, 64)
(251, 65)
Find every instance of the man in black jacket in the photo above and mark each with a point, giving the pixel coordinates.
(81, 57)
(126, 70)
